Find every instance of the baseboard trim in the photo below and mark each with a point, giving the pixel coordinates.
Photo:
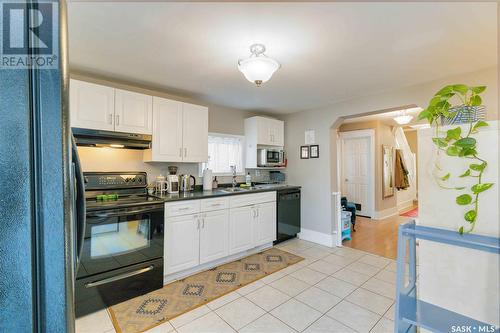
(383, 214)
(405, 205)
(329, 240)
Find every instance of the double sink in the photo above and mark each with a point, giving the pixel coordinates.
(256, 187)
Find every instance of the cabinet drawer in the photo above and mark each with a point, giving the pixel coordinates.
(182, 208)
(251, 199)
(208, 205)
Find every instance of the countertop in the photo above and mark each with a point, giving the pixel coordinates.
(200, 194)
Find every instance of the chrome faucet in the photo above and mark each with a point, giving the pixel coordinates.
(233, 170)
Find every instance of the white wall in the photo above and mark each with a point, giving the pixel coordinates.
(318, 176)
(462, 280)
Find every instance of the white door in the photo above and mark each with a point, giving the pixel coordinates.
(182, 243)
(214, 234)
(195, 133)
(265, 223)
(133, 112)
(167, 132)
(241, 221)
(357, 166)
(91, 105)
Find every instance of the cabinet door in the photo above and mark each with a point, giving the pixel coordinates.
(167, 132)
(133, 112)
(278, 133)
(265, 223)
(195, 133)
(241, 222)
(182, 243)
(91, 105)
(264, 131)
(214, 235)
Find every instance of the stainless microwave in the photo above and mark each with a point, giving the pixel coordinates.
(270, 157)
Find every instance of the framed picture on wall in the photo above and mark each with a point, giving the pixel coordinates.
(304, 152)
(314, 151)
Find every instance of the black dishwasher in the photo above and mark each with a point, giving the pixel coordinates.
(288, 217)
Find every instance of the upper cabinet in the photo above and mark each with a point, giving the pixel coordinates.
(180, 132)
(194, 133)
(92, 106)
(133, 112)
(100, 107)
(265, 131)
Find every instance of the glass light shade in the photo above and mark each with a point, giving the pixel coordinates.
(258, 69)
(403, 120)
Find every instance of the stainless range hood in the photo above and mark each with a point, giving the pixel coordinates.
(97, 138)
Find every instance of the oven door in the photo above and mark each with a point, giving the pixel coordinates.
(118, 238)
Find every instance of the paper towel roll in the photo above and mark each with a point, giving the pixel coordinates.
(207, 180)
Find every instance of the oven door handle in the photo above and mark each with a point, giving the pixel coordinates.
(119, 277)
(124, 213)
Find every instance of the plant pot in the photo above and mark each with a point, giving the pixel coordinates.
(464, 114)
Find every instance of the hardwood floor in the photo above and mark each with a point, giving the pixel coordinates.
(377, 236)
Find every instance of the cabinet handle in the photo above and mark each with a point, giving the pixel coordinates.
(185, 152)
(110, 119)
(257, 212)
(203, 222)
(117, 120)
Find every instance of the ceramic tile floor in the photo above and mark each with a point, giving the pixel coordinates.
(334, 290)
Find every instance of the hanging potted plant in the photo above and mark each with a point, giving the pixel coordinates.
(459, 144)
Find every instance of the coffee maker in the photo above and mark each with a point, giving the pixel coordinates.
(172, 180)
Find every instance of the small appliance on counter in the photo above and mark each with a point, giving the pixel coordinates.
(122, 250)
(172, 180)
(186, 184)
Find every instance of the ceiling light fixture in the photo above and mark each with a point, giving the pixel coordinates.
(403, 118)
(258, 68)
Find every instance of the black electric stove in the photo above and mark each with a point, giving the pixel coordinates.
(122, 253)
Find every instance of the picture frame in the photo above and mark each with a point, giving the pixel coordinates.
(314, 151)
(304, 152)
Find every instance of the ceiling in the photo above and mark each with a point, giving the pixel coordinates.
(328, 51)
(388, 117)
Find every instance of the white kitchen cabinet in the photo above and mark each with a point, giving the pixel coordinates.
(241, 224)
(265, 131)
(133, 112)
(182, 239)
(214, 232)
(194, 133)
(180, 132)
(166, 145)
(265, 223)
(92, 105)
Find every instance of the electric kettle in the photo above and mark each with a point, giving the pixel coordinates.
(186, 184)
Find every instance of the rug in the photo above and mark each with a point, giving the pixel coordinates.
(411, 213)
(147, 311)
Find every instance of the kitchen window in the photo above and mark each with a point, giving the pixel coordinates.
(224, 150)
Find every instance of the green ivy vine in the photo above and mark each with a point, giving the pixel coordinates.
(454, 142)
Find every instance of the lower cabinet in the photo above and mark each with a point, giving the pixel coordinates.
(241, 220)
(265, 223)
(182, 237)
(214, 235)
(204, 235)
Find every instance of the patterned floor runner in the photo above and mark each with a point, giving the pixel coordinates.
(144, 312)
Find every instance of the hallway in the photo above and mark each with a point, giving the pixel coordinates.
(378, 237)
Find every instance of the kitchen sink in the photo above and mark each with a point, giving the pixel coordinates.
(234, 189)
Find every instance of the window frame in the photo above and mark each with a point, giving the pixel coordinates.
(243, 157)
